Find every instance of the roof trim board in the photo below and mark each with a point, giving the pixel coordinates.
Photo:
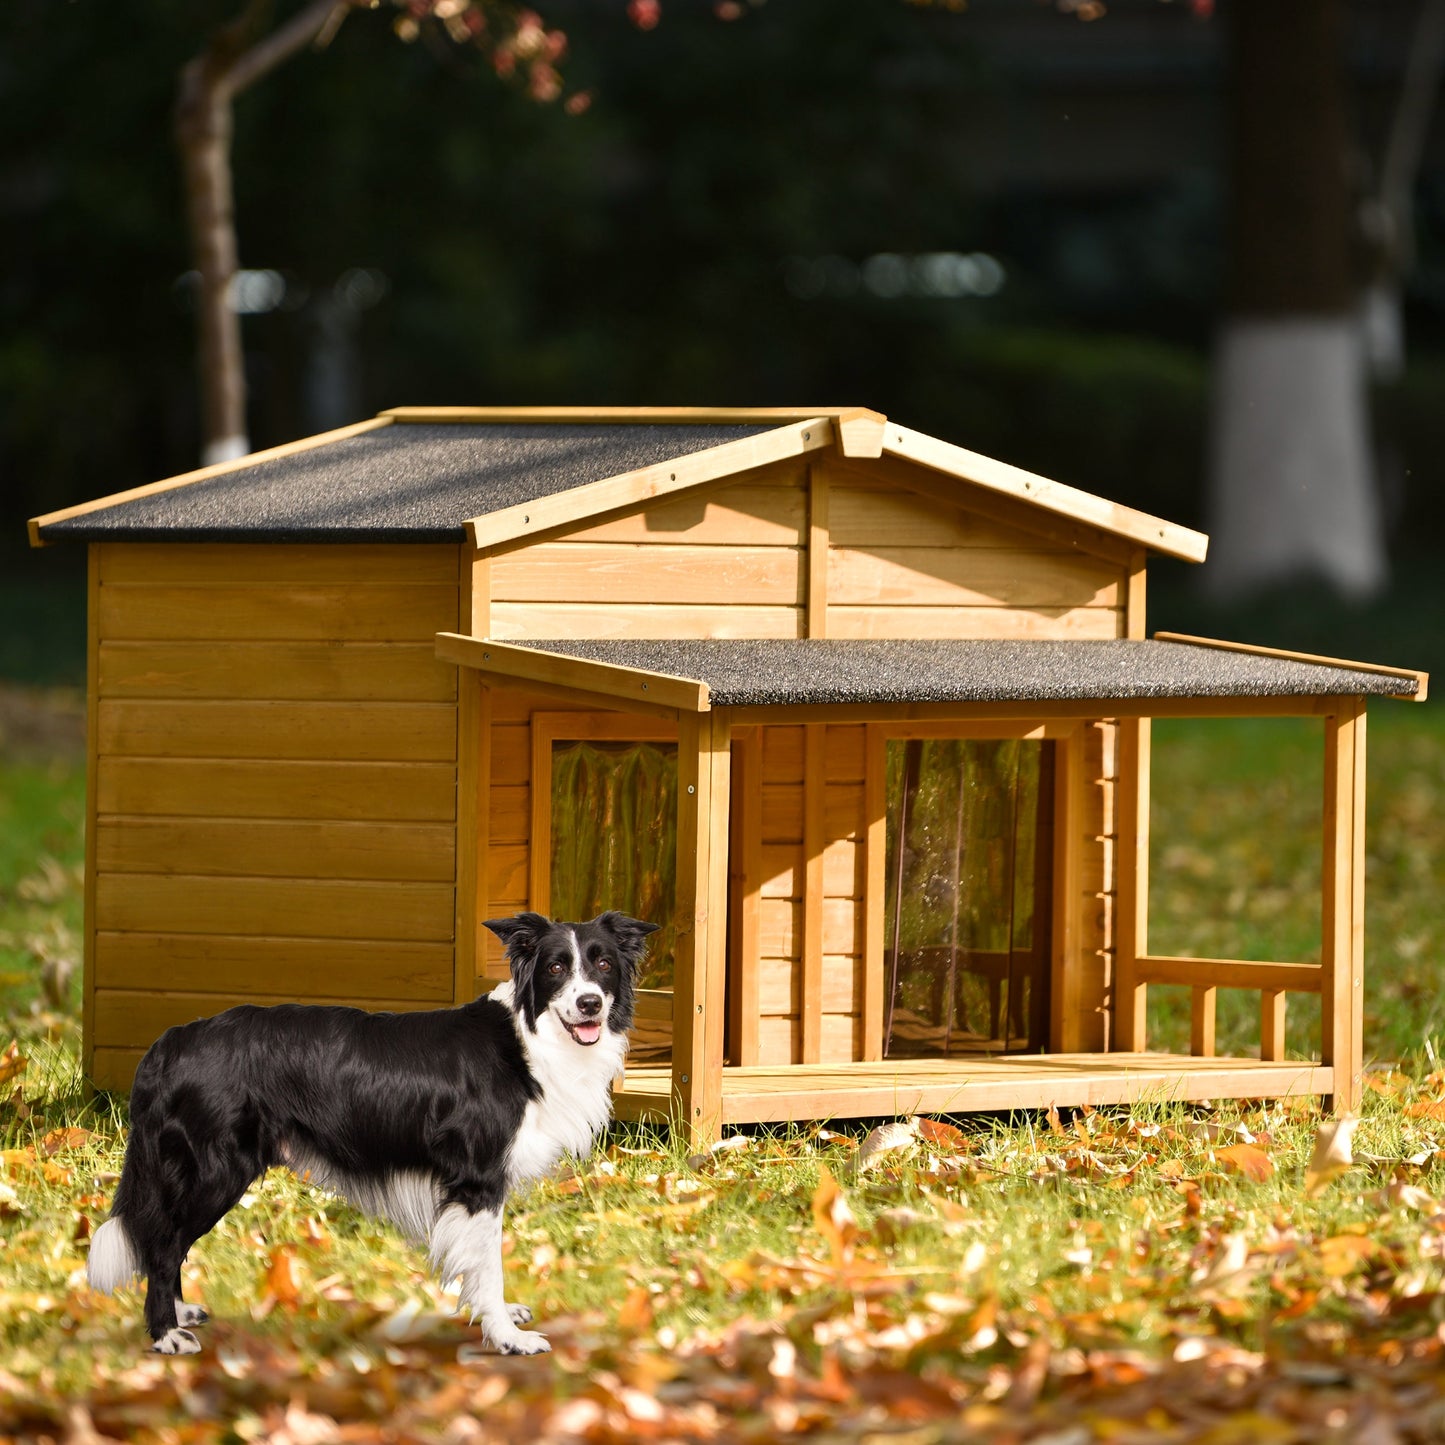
(528, 520)
(554, 669)
(627, 415)
(995, 476)
(1421, 679)
(202, 474)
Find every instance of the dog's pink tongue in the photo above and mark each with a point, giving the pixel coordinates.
(589, 1033)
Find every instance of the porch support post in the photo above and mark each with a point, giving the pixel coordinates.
(1343, 904)
(1131, 860)
(700, 981)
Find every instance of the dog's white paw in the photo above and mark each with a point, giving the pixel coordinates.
(520, 1314)
(524, 1342)
(190, 1314)
(177, 1342)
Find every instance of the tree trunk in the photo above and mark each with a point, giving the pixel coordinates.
(236, 57)
(1292, 490)
(203, 130)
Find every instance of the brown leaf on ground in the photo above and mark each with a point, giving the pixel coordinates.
(1247, 1159)
(834, 1217)
(1332, 1154)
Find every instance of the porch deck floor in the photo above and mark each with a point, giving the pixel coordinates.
(960, 1086)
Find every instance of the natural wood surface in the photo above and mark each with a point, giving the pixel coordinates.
(92, 795)
(200, 475)
(965, 621)
(594, 501)
(940, 576)
(1409, 673)
(308, 564)
(263, 788)
(889, 1088)
(1153, 532)
(277, 848)
(769, 510)
(317, 671)
(620, 415)
(529, 665)
(745, 881)
(815, 832)
(816, 591)
(1342, 962)
(360, 969)
(542, 621)
(1231, 973)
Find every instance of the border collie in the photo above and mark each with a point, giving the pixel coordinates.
(427, 1119)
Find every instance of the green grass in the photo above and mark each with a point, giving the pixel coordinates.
(1096, 1233)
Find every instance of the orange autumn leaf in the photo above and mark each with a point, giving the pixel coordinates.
(12, 1063)
(1427, 1109)
(1247, 1159)
(833, 1217)
(635, 1314)
(935, 1131)
(1342, 1254)
(58, 1139)
(282, 1284)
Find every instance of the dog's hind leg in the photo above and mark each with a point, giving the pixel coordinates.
(187, 1315)
(163, 1289)
(469, 1243)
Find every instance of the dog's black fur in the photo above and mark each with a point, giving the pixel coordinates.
(410, 1114)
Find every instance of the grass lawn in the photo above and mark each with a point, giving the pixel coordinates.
(1154, 1274)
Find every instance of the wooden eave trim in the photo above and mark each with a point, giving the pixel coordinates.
(602, 679)
(251, 459)
(529, 520)
(626, 415)
(1422, 679)
(1010, 481)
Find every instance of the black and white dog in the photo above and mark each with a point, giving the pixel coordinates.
(428, 1119)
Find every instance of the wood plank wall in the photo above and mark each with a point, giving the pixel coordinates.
(734, 561)
(275, 783)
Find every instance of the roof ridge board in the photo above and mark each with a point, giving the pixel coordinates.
(1421, 679)
(203, 474)
(1152, 532)
(623, 415)
(625, 489)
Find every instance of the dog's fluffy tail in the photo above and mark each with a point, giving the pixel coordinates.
(113, 1261)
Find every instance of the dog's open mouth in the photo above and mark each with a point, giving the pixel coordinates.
(585, 1031)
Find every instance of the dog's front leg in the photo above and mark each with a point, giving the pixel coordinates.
(468, 1243)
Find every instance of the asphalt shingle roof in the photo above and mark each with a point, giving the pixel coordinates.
(411, 482)
(746, 672)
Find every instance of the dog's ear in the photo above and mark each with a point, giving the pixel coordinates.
(520, 936)
(630, 933)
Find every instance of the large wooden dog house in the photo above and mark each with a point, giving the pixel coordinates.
(859, 716)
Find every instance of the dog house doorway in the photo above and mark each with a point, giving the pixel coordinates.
(967, 907)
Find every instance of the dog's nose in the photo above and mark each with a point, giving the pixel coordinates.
(589, 1005)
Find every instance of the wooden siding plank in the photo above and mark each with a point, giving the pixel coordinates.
(135, 1019)
(513, 621)
(307, 908)
(817, 567)
(509, 813)
(782, 870)
(339, 731)
(92, 793)
(763, 514)
(596, 573)
(977, 577)
(206, 564)
(223, 613)
(279, 671)
(884, 515)
(191, 787)
(225, 963)
(745, 875)
(299, 848)
(1341, 956)
(1088, 623)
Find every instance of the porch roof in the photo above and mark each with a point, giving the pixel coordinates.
(763, 672)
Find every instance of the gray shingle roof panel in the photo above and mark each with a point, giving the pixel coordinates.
(410, 482)
(749, 672)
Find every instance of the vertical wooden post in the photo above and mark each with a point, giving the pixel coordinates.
(1201, 1022)
(1271, 1023)
(815, 783)
(1131, 855)
(875, 863)
(745, 872)
(700, 981)
(1342, 906)
(92, 782)
(817, 559)
(1068, 1029)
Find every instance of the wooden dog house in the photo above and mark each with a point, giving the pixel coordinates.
(860, 716)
